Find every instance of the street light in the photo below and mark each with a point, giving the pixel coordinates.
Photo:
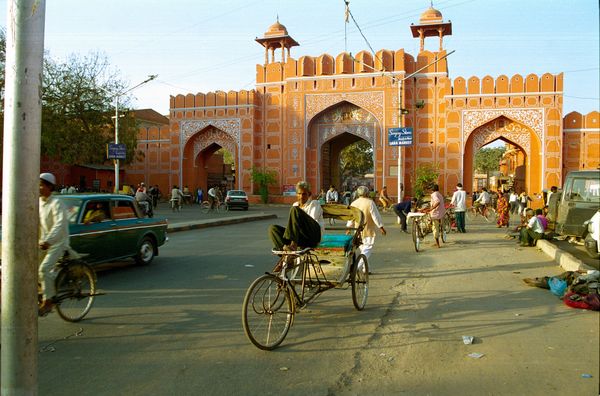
(117, 95)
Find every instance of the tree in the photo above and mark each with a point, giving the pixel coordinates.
(427, 176)
(356, 159)
(78, 106)
(264, 178)
(487, 160)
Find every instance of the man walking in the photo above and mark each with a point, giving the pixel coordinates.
(437, 212)
(459, 201)
(372, 217)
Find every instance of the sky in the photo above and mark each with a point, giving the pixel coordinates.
(201, 46)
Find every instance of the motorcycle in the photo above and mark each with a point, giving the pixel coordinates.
(591, 235)
(146, 207)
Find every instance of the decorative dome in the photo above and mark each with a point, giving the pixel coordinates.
(431, 15)
(276, 30)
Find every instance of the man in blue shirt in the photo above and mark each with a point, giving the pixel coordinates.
(402, 209)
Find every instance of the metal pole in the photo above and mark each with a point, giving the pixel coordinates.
(20, 218)
(116, 142)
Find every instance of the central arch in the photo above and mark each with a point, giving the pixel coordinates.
(202, 166)
(517, 135)
(332, 130)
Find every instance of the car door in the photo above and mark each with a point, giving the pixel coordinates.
(126, 226)
(93, 235)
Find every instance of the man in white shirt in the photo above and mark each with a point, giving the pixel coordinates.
(305, 223)
(532, 231)
(459, 201)
(54, 238)
(513, 201)
(332, 195)
(212, 196)
(372, 218)
(483, 201)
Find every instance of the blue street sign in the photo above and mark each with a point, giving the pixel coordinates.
(116, 151)
(400, 136)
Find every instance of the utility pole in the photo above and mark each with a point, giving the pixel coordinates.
(20, 218)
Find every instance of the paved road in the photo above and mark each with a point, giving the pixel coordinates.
(174, 327)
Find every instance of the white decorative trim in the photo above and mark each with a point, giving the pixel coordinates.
(434, 74)
(338, 77)
(372, 101)
(154, 141)
(230, 126)
(582, 130)
(532, 118)
(504, 94)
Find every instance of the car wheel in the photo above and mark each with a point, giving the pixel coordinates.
(146, 252)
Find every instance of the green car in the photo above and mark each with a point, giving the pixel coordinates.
(111, 227)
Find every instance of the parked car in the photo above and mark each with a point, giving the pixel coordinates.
(111, 227)
(236, 199)
(579, 201)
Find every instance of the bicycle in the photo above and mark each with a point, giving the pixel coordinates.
(422, 224)
(75, 289)
(219, 206)
(487, 212)
(299, 277)
(175, 204)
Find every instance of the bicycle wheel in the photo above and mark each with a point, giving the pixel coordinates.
(268, 312)
(471, 214)
(490, 214)
(360, 282)
(75, 289)
(222, 207)
(205, 207)
(415, 234)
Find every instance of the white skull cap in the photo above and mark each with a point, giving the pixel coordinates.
(49, 177)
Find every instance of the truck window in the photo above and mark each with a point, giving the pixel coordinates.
(584, 190)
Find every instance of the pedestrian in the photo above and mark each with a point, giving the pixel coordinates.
(155, 195)
(199, 195)
(513, 201)
(372, 220)
(502, 209)
(524, 200)
(386, 202)
(437, 212)
(402, 209)
(459, 201)
(53, 239)
(332, 195)
(539, 213)
(532, 230)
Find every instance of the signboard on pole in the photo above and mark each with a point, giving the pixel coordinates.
(400, 136)
(116, 151)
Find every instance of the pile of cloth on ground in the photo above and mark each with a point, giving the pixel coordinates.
(576, 289)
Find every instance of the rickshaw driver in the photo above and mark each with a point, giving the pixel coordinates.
(305, 223)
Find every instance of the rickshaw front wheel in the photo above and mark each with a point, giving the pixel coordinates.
(360, 282)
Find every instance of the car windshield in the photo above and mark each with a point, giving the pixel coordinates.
(73, 205)
(235, 192)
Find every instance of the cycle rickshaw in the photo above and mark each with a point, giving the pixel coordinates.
(274, 298)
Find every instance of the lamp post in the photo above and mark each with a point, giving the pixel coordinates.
(117, 95)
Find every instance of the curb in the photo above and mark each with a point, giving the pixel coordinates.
(566, 260)
(194, 225)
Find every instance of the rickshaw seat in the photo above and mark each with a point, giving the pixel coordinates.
(329, 241)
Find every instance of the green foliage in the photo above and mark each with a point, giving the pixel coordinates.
(356, 159)
(427, 176)
(264, 178)
(227, 156)
(488, 159)
(78, 106)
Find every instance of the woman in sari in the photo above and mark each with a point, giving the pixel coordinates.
(502, 210)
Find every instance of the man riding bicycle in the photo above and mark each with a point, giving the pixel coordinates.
(213, 196)
(483, 201)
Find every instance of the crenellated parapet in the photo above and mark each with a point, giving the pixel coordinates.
(364, 62)
(213, 104)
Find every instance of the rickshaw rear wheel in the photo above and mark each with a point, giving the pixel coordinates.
(360, 282)
(267, 312)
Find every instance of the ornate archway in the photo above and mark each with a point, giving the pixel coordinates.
(331, 131)
(515, 133)
(200, 168)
